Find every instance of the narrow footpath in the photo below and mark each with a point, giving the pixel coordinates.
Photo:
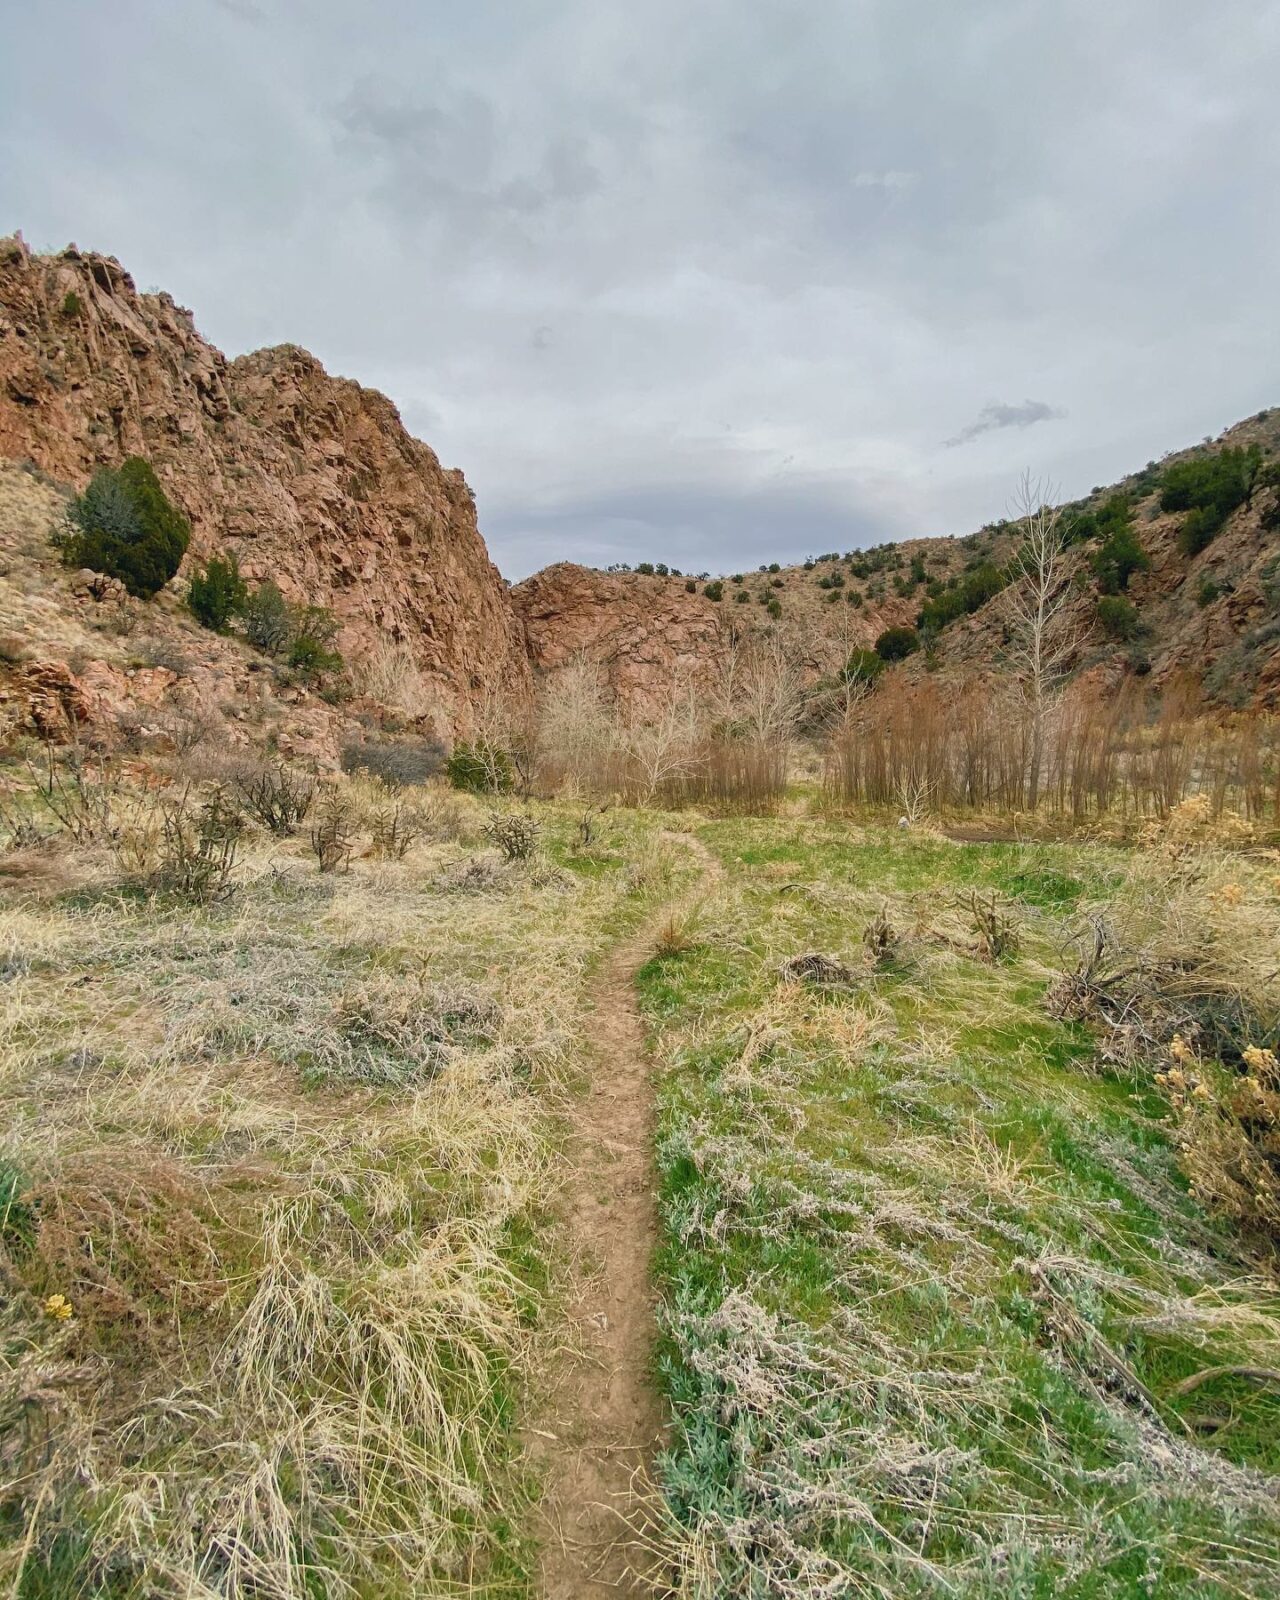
(602, 1419)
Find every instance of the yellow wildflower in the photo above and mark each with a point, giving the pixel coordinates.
(1231, 894)
(58, 1307)
(1180, 1050)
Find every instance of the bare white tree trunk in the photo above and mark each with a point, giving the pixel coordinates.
(1037, 611)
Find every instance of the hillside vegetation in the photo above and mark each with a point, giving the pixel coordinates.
(1174, 572)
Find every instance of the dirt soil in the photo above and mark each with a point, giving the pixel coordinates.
(602, 1419)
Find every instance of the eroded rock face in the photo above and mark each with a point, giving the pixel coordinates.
(312, 480)
(645, 633)
(642, 633)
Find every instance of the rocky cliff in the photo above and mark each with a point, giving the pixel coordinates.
(312, 480)
(645, 631)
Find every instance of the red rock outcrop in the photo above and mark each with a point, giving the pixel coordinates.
(311, 479)
(642, 633)
(645, 632)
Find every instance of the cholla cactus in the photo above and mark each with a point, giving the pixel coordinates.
(514, 833)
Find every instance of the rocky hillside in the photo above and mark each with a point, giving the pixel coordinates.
(646, 630)
(312, 480)
(1212, 615)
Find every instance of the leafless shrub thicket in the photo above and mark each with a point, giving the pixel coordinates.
(721, 742)
(515, 834)
(1102, 752)
(78, 791)
(277, 796)
(199, 841)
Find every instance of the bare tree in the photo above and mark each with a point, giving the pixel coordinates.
(851, 686)
(770, 687)
(664, 745)
(1036, 606)
(576, 731)
(504, 739)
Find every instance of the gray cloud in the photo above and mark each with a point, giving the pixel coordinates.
(690, 527)
(778, 250)
(245, 10)
(1000, 415)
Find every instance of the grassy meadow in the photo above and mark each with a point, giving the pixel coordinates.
(960, 1291)
(934, 1283)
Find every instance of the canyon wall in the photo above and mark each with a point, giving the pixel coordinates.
(312, 480)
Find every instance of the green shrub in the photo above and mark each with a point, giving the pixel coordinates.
(895, 644)
(268, 624)
(480, 767)
(125, 526)
(1118, 617)
(775, 608)
(863, 666)
(714, 590)
(854, 597)
(1120, 554)
(691, 587)
(742, 597)
(217, 593)
(1115, 562)
(774, 567)
(72, 305)
(1208, 592)
(961, 598)
(1208, 488)
(312, 648)
(305, 635)
(1198, 529)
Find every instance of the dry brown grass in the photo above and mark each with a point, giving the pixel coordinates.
(287, 1158)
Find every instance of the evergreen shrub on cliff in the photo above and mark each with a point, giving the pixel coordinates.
(125, 525)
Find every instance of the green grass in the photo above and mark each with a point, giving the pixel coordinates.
(928, 1276)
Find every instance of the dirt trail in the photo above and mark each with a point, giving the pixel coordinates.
(602, 1419)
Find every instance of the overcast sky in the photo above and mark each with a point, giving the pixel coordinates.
(703, 281)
